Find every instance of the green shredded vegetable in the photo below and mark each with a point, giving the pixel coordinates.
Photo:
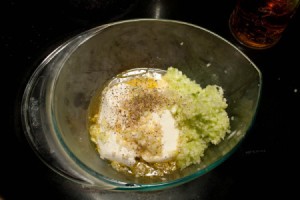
(201, 116)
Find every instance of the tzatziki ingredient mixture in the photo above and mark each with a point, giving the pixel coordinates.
(151, 122)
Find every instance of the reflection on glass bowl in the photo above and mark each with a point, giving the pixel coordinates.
(56, 99)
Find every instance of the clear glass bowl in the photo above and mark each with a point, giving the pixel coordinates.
(56, 99)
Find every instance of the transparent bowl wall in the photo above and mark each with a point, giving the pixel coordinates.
(57, 96)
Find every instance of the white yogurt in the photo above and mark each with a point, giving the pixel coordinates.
(128, 135)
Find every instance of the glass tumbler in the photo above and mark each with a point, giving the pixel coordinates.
(259, 24)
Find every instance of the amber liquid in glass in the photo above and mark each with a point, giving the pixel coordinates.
(260, 23)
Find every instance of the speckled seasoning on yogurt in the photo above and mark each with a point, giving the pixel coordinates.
(152, 122)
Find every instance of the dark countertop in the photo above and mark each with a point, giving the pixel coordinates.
(262, 167)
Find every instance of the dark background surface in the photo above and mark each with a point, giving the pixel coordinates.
(264, 166)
